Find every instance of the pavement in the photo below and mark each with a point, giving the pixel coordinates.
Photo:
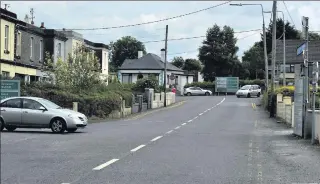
(205, 139)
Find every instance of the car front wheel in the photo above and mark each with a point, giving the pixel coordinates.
(1, 124)
(248, 95)
(207, 94)
(188, 94)
(58, 125)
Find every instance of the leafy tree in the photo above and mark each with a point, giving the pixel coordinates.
(192, 65)
(218, 53)
(79, 72)
(178, 62)
(253, 60)
(314, 36)
(125, 48)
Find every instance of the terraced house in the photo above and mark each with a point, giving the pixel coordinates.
(11, 65)
(24, 47)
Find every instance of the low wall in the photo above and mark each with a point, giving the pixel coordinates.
(285, 109)
(158, 100)
(309, 124)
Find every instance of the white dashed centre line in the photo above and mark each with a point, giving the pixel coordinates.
(156, 138)
(137, 148)
(169, 132)
(200, 114)
(177, 127)
(183, 124)
(105, 164)
(190, 120)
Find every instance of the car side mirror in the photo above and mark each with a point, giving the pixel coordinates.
(42, 108)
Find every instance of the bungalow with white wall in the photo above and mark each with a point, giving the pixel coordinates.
(152, 65)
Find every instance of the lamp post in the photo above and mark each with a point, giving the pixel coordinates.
(264, 42)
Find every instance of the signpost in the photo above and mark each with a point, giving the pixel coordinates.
(300, 49)
(227, 84)
(10, 88)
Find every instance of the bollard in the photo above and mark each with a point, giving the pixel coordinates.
(75, 106)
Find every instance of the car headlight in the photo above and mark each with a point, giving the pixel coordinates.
(73, 116)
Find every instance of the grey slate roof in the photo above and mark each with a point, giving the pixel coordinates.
(147, 62)
(291, 51)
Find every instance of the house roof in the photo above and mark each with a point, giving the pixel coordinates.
(291, 51)
(147, 62)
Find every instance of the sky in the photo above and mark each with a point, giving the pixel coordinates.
(92, 14)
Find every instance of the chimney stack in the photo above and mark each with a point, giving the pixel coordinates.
(42, 25)
(140, 54)
(163, 54)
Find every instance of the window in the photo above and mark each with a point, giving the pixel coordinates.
(31, 47)
(31, 104)
(13, 103)
(59, 50)
(5, 74)
(40, 54)
(18, 50)
(6, 38)
(126, 78)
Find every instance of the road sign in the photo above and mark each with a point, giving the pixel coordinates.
(10, 88)
(227, 84)
(301, 49)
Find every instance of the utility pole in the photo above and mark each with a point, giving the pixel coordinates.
(266, 67)
(32, 16)
(165, 67)
(284, 52)
(274, 32)
(305, 34)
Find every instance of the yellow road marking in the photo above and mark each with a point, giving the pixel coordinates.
(157, 110)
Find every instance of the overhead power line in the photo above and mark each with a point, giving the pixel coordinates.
(289, 13)
(151, 22)
(194, 37)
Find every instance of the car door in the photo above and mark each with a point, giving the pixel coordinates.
(33, 116)
(255, 90)
(11, 111)
(199, 91)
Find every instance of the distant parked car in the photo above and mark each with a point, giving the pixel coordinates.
(249, 91)
(33, 112)
(196, 91)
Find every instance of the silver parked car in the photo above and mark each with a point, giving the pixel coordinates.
(249, 91)
(196, 91)
(33, 112)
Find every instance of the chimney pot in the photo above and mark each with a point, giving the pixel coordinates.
(42, 25)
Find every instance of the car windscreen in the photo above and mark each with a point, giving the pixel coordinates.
(49, 104)
(245, 87)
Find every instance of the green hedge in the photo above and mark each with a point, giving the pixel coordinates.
(98, 103)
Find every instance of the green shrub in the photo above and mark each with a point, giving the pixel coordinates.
(203, 85)
(251, 82)
(143, 83)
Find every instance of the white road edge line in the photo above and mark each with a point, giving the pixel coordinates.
(177, 127)
(156, 138)
(105, 164)
(137, 148)
(169, 132)
(65, 183)
(183, 124)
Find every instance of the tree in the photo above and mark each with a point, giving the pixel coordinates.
(314, 36)
(192, 65)
(253, 60)
(218, 53)
(178, 62)
(126, 48)
(79, 72)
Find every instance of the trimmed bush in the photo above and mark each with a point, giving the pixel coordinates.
(144, 83)
(203, 85)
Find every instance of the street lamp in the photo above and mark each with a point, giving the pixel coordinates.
(264, 42)
(284, 47)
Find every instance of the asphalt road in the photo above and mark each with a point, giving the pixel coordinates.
(199, 140)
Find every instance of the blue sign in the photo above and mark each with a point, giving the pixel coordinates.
(300, 49)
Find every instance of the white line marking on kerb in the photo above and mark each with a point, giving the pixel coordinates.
(200, 114)
(183, 124)
(137, 148)
(190, 121)
(169, 132)
(105, 164)
(156, 138)
(177, 127)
